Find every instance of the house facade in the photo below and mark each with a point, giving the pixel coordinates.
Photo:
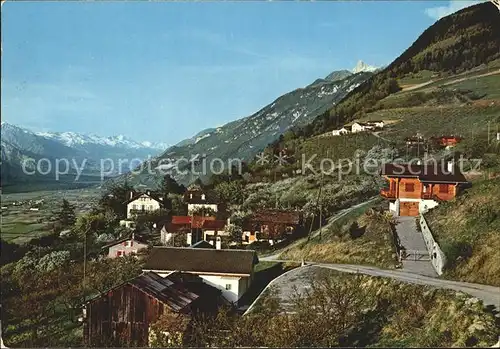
(125, 247)
(141, 203)
(415, 189)
(229, 270)
(341, 131)
(214, 228)
(366, 126)
(197, 199)
(191, 228)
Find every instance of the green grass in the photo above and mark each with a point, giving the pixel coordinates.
(418, 78)
(468, 231)
(486, 86)
(436, 121)
(339, 242)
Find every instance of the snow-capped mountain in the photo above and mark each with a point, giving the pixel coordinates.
(72, 139)
(97, 154)
(363, 67)
(246, 137)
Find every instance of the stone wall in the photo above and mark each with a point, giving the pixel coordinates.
(438, 259)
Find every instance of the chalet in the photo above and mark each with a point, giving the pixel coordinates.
(271, 225)
(342, 131)
(231, 271)
(126, 246)
(123, 315)
(196, 199)
(414, 189)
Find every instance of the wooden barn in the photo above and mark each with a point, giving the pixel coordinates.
(123, 316)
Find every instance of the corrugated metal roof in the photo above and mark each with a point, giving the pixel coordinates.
(166, 291)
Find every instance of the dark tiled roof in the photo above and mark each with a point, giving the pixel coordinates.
(210, 197)
(201, 260)
(202, 244)
(424, 172)
(136, 194)
(277, 216)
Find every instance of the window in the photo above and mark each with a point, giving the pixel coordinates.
(203, 196)
(134, 207)
(119, 253)
(228, 287)
(409, 187)
(128, 243)
(443, 188)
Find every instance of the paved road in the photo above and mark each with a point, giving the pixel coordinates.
(413, 241)
(300, 278)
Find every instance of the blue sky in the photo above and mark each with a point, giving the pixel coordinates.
(162, 71)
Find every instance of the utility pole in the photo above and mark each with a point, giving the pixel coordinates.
(488, 133)
(319, 200)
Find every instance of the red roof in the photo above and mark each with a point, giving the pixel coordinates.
(198, 221)
(177, 228)
(181, 219)
(214, 224)
(195, 221)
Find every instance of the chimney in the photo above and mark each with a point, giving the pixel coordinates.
(498, 136)
(218, 243)
(133, 236)
(148, 192)
(131, 194)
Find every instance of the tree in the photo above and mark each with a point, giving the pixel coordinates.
(170, 186)
(230, 192)
(66, 216)
(114, 199)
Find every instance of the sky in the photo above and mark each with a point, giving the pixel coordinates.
(163, 71)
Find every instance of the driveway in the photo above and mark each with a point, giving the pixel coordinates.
(417, 260)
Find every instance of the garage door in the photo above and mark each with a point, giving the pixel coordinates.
(408, 209)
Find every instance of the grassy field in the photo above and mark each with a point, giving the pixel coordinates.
(468, 231)
(419, 78)
(436, 121)
(361, 237)
(19, 224)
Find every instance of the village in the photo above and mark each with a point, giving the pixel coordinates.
(203, 260)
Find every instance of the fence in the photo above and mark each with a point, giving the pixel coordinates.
(438, 259)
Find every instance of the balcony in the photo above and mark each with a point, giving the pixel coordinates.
(388, 194)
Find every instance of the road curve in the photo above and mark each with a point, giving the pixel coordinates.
(490, 295)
